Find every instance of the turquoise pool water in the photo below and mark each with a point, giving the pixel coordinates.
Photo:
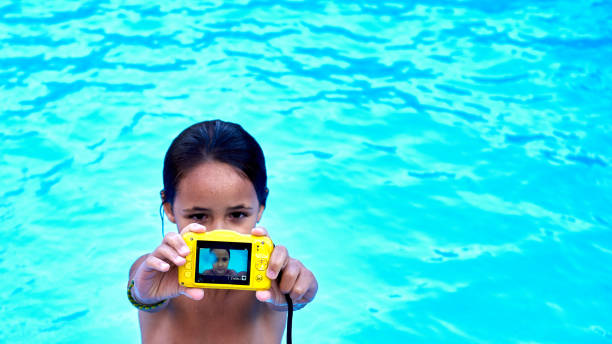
(442, 166)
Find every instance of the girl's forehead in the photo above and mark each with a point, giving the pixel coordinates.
(215, 181)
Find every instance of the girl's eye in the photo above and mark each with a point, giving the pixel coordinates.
(238, 215)
(198, 217)
(224, 260)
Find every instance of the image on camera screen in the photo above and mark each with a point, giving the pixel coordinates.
(223, 262)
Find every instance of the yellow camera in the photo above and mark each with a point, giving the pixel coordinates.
(223, 259)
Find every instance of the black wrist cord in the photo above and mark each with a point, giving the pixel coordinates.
(289, 317)
(289, 309)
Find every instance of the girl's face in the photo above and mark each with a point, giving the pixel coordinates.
(220, 266)
(215, 195)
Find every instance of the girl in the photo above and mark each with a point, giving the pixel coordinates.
(214, 178)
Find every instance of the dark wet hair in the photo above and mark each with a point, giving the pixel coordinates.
(229, 254)
(215, 140)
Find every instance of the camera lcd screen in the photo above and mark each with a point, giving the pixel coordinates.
(223, 262)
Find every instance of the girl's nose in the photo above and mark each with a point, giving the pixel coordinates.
(218, 224)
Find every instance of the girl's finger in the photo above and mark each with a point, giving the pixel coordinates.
(169, 254)
(193, 227)
(192, 293)
(153, 263)
(263, 295)
(175, 241)
(259, 231)
(302, 286)
(290, 275)
(312, 290)
(278, 260)
(272, 295)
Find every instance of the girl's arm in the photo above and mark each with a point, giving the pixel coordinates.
(155, 275)
(297, 281)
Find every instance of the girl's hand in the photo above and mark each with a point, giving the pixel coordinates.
(156, 278)
(296, 280)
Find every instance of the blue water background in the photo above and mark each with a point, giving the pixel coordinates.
(443, 167)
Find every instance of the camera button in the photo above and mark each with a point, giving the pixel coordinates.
(187, 274)
(188, 266)
(259, 278)
(262, 264)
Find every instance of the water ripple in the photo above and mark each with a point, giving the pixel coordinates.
(59, 90)
(57, 17)
(588, 160)
(334, 30)
(520, 139)
(71, 316)
(61, 166)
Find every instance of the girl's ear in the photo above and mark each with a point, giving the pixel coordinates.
(168, 211)
(167, 206)
(260, 212)
(262, 207)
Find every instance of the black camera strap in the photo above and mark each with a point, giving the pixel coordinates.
(289, 308)
(289, 317)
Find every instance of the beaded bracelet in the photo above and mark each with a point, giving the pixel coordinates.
(139, 305)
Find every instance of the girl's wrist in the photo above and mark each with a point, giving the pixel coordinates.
(132, 294)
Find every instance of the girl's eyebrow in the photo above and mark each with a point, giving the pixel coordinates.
(196, 209)
(236, 207)
(239, 206)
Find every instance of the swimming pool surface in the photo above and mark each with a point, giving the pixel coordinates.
(443, 167)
